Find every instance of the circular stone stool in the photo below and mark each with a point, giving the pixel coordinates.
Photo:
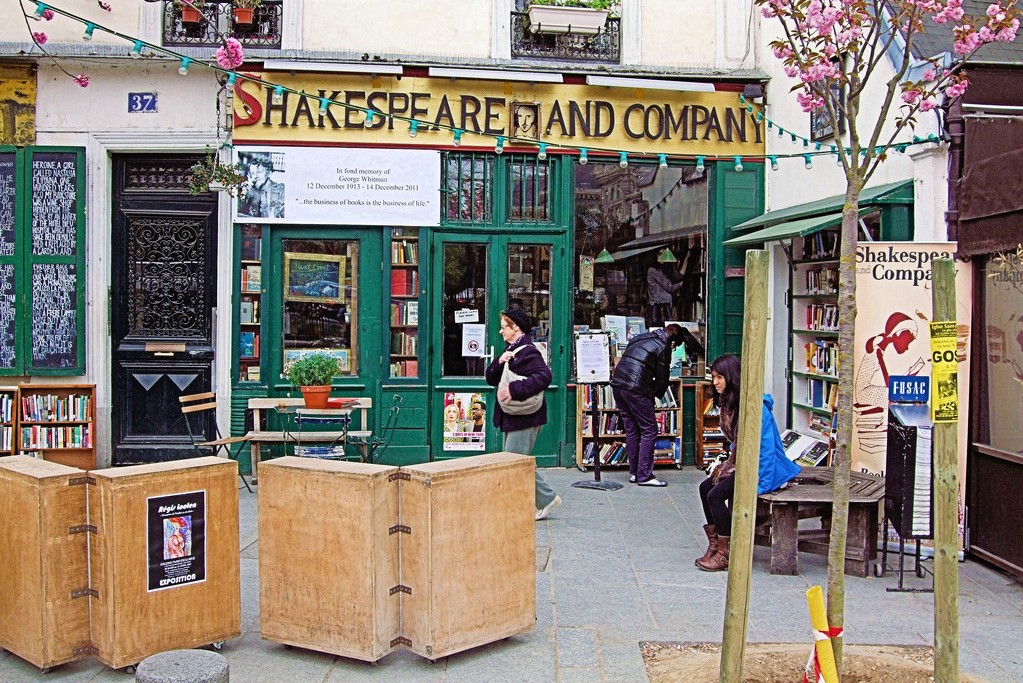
(183, 666)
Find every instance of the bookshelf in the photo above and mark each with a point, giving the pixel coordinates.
(814, 377)
(57, 422)
(710, 440)
(404, 308)
(250, 294)
(8, 419)
(610, 439)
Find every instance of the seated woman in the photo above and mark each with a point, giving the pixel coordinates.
(716, 491)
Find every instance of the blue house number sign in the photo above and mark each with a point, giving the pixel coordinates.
(142, 103)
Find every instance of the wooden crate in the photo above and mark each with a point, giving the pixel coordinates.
(43, 560)
(327, 563)
(470, 559)
(130, 621)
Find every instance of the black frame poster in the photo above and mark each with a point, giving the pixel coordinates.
(42, 261)
(175, 540)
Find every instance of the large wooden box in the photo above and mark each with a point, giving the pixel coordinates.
(44, 609)
(164, 558)
(327, 560)
(470, 559)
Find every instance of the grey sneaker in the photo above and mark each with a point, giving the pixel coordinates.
(652, 481)
(546, 509)
(632, 478)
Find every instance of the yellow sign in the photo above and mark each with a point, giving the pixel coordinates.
(944, 375)
(620, 119)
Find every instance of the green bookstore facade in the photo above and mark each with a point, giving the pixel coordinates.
(395, 247)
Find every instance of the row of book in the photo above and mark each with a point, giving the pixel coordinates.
(822, 357)
(252, 278)
(822, 281)
(666, 451)
(821, 393)
(405, 343)
(405, 253)
(6, 407)
(821, 245)
(607, 400)
(248, 344)
(822, 317)
(6, 438)
(75, 436)
(405, 312)
(822, 424)
(248, 312)
(51, 408)
(405, 368)
(404, 282)
(251, 248)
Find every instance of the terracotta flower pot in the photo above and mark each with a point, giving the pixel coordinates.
(190, 15)
(243, 15)
(316, 396)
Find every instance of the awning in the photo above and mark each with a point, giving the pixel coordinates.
(628, 253)
(666, 235)
(784, 231)
(891, 193)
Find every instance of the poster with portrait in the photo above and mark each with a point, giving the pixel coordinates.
(176, 540)
(892, 338)
(465, 422)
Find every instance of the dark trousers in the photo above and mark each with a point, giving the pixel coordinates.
(716, 499)
(636, 412)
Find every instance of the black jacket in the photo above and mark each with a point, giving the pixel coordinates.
(644, 365)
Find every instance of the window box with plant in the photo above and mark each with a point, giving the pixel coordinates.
(191, 12)
(244, 10)
(312, 374)
(571, 17)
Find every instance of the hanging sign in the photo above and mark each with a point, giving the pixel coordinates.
(944, 366)
(176, 540)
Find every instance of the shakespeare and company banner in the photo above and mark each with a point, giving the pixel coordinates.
(893, 338)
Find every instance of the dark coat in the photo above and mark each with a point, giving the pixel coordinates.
(644, 365)
(530, 364)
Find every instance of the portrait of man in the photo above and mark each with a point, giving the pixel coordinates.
(263, 197)
(526, 116)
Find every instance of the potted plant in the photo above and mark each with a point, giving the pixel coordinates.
(191, 12)
(211, 174)
(244, 10)
(312, 374)
(575, 17)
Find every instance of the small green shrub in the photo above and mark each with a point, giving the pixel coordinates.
(316, 369)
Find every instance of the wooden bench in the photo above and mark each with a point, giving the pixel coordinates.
(779, 512)
(257, 437)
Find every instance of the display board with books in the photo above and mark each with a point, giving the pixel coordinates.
(609, 442)
(57, 422)
(250, 291)
(805, 451)
(710, 440)
(814, 307)
(404, 304)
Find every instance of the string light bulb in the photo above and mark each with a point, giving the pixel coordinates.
(370, 117)
(662, 160)
(457, 140)
(774, 162)
(89, 29)
(183, 69)
(413, 129)
(499, 147)
(808, 161)
(738, 164)
(583, 158)
(542, 154)
(278, 96)
(324, 106)
(700, 167)
(231, 78)
(136, 49)
(40, 11)
(623, 159)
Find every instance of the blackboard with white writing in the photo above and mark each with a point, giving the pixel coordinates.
(8, 343)
(54, 315)
(54, 204)
(8, 187)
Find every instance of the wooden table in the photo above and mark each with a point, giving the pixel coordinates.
(779, 512)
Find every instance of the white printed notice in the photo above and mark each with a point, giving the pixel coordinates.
(473, 336)
(339, 186)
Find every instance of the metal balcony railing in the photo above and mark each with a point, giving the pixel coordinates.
(264, 31)
(604, 47)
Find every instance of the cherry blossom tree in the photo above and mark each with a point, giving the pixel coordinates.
(834, 49)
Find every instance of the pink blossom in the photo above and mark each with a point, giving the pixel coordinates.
(929, 74)
(910, 96)
(791, 71)
(39, 37)
(230, 55)
(82, 80)
(782, 51)
(957, 89)
(928, 105)
(48, 14)
(104, 5)
(809, 101)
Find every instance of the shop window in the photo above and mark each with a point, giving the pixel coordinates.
(467, 183)
(642, 222)
(530, 188)
(465, 304)
(1001, 376)
(529, 285)
(321, 300)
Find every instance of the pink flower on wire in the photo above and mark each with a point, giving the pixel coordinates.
(82, 80)
(230, 55)
(104, 5)
(39, 37)
(48, 14)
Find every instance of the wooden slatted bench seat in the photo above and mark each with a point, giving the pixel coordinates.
(779, 512)
(257, 437)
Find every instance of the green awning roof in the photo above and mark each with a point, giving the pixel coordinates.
(783, 231)
(900, 192)
(628, 253)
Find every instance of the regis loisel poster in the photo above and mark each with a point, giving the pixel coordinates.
(893, 314)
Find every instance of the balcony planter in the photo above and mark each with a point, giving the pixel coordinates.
(243, 15)
(189, 15)
(580, 21)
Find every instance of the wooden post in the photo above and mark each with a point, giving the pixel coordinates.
(744, 504)
(946, 507)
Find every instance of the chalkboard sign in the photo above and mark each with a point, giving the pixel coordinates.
(54, 203)
(54, 315)
(8, 343)
(8, 187)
